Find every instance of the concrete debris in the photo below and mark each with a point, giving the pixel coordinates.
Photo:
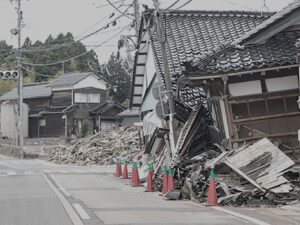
(101, 148)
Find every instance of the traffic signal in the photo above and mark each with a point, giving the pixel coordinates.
(9, 75)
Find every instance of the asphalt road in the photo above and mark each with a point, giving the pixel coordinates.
(34, 192)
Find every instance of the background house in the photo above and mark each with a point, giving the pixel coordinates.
(59, 108)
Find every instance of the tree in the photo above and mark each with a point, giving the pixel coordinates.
(116, 73)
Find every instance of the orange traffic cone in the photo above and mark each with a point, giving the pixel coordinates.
(171, 186)
(120, 167)
(165, 181)
(132, 173)
(212, 193)
(117, 174)
(150, 179)
(136, 180)
(125, 171)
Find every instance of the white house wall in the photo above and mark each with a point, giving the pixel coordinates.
(282, 83)
(245, 88)
(91, 81)
(8, 120)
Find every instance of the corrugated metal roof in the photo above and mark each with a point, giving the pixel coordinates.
(36, 90)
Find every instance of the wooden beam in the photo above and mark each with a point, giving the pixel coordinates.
(261, 98)
(266, 117)
(275, 28)
(267, 135)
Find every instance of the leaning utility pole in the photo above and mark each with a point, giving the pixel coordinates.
(137, 16)
(20, 84)
(169, 91)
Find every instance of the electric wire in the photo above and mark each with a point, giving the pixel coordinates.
(101, 6)
(185, 4)
(173, 4)
(74, 57)
(122, 13)
(55, 47)
(39, 74)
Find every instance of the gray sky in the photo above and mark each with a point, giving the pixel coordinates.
(44, 17)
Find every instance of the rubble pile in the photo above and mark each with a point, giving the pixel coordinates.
(101, 148)
(254, 175)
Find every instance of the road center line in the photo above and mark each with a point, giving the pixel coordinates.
(251, 219)
(72, 214)
(82, 213)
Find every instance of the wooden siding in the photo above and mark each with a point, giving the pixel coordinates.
(55, 125)
(37, 104)
(61, 98)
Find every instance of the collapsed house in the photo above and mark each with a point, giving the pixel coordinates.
(236, 80)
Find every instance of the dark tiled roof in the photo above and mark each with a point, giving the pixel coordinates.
(253, 56)
(190, 34)
(278, 51)
(68, 79)
(36, 90)
(106, 106)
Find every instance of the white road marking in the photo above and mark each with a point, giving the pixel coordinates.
(47, 171)
(11, 173)
(251, 219)
(82, 213)
(72, 214)
(63, 171)
(60, 187)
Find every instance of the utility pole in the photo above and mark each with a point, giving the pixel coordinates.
(137, 16)
(20, 83)
(169, 91)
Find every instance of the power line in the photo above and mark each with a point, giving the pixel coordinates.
(81, 39)
(74, 57)
(188, 2)
(42, 75)
(122, 13)
(173, 4)
(101, 6)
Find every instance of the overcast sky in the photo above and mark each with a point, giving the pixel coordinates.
(44, 17)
